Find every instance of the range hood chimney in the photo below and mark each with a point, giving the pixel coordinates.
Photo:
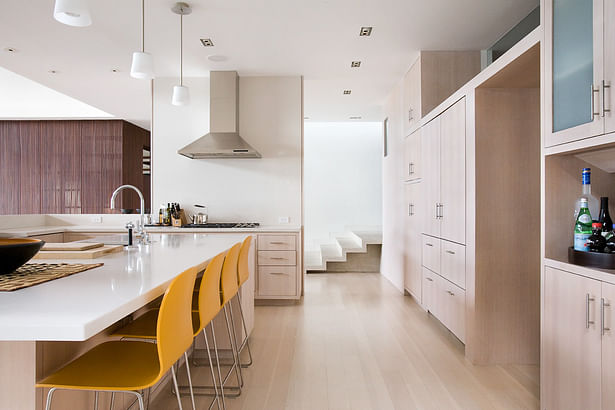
(223, 140)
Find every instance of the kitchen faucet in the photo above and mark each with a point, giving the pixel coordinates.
(141, 225)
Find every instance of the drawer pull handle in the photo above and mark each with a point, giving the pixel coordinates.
(277, 273)
(278, 259)
(451, 252)
(429, 244)
(429, 279)
(278, 243)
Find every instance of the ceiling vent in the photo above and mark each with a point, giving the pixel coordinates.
(207, 42)
(355, 64)
(365, 31)
(347, 92)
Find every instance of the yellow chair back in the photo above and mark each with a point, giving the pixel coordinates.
(228, 283)
(243, 267)
(174, 327)
(209, 293)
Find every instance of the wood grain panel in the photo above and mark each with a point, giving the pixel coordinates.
(10, 171)
(506, 286)
(133, 142)
(52, 155)
(30, 167)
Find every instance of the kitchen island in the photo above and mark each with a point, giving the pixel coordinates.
(44, 326)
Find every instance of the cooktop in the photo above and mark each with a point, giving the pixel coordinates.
(215, 225)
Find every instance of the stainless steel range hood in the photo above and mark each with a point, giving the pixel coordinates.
(223, 140)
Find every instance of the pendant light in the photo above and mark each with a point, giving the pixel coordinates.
(142, 63)
(72, 12)
(181, 95)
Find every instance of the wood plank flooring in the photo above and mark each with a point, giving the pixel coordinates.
(355, 343)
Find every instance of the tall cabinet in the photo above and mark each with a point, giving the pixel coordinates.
(443, 141)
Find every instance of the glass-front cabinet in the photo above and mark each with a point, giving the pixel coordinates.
(578, 94)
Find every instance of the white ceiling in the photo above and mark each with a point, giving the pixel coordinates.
(317, 39)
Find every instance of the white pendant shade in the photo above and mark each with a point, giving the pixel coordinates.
(181, 95)
(72, 12)
(142, 65)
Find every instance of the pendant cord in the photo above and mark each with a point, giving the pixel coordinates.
(181, 49)
(142, 26)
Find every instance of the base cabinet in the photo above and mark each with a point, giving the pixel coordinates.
(575, 352)
(445, 301)
(278, 266)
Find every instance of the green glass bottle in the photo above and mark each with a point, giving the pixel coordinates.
(582, 227)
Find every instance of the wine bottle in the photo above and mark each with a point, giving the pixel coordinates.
(596, 242)
(603, 217)
(582, 227)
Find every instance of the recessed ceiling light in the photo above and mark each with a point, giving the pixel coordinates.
(355, 118)
(53, 71)
(115, 70)
(207, 42)
(355, 64)
(10, 50)
(306, 118)
(217, 58)
(365, 31)
(347, 92)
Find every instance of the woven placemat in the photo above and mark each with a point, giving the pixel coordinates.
(32, 274)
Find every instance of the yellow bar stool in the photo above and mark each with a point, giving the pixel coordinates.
(131, 367)
(243, 274)
(209, 305)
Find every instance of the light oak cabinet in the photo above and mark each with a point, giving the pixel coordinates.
(579, 69)
(444, 283)
(278, 266)
(412, 156)
(443, 156)
(434, 77)
(578, 342)
(412, 228)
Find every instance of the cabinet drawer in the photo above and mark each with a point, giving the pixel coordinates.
(453, 263)
(277, 257)
(429, 288)
(450, 306)
(277, 243)
(431, 253)
(277, 281)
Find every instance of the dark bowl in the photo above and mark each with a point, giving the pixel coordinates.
(15, 252)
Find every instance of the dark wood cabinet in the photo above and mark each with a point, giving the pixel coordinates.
(70, 166)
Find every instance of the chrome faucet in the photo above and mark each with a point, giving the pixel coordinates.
(141, 225)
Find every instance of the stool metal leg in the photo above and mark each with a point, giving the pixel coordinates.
(230, 305)
(49, 398)
(246, 342)
(189, 380)
(211, 368)
(179, 399)
(112, 400)
(213, 335)
(95, 400)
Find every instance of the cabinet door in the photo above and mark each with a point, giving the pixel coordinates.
(414, 154)
(430, 156)
(412, 97)
(413, 242)
(607, 323)
(429, 289)
(609, 65)
(574, 70)
(453, 173)
(571, 341)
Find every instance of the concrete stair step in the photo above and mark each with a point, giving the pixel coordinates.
(344, 243)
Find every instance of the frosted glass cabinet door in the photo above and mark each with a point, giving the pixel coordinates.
(575, 65)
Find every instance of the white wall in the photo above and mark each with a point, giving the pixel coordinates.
(256, 190)
(342, 178)
(393, 238)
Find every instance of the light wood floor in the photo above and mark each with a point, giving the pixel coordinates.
(356, 343)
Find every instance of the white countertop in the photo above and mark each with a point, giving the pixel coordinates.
(46, 229)
(79, 306)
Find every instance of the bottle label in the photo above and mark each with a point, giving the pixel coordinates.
(585, 219)
(580, 242)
